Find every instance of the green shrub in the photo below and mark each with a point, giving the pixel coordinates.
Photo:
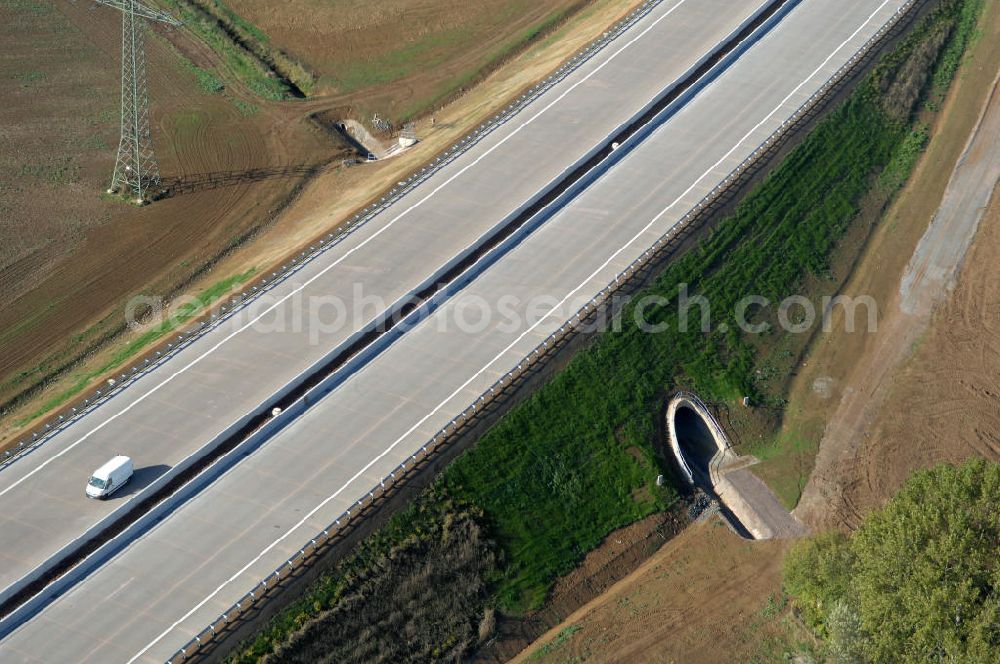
(918, 582)
(927, 570)
(846, 640)
(817, 573)
(240, 61)
(208, 82)
(965, 32)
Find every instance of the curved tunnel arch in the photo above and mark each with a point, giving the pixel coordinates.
(698, 442)
(708, 462)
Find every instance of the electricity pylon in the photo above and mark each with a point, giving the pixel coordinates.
(135, 167)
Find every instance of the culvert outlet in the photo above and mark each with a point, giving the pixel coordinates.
(707, 460)
(699, 444)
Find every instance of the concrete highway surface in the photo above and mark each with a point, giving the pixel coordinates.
(165, 587)
(209, 387)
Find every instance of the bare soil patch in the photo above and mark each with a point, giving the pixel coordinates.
(706, 596)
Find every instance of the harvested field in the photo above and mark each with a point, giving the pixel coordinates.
(243, 162)
(399, 57)
(69, 255)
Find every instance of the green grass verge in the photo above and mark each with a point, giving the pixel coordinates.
(248, 38)
(183, 314)
(555, 645)
(935, 45)
(244, 65)
(576, 460)
(207, 81)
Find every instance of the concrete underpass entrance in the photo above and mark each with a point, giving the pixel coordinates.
(707, 461)
(696, 443)
(699, 444)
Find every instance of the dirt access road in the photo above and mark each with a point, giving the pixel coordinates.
(915, 400)
(705, 592)
(929, 389)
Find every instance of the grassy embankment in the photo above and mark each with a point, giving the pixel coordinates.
(245, 50)
(179, 316)
(576, 461)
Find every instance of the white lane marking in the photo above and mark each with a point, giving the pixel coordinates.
(505, 350)
(346, 255)
(121, 587)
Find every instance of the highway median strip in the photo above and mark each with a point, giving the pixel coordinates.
(480, 254)
(576, 432)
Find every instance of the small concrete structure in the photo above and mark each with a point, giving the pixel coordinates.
(706, 458)
(408, 138)
(722, 453)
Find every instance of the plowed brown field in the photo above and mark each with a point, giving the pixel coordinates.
(401, 55)
(70, 255)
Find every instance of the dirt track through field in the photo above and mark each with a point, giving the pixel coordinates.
(843, 468)
(706, 592)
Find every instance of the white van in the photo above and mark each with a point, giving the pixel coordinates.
(110, 477)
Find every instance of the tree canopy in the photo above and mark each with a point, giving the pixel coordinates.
(920, 579)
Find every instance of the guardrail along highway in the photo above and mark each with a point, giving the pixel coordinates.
(166, 586)
(215, 385)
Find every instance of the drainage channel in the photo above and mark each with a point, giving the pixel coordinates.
(391, 319)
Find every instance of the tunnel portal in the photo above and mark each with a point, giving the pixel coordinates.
(696, 439)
